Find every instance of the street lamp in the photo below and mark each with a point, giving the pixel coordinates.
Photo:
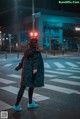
(33, 18)
(77, 28)
(78, 44)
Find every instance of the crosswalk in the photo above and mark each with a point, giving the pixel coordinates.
(58, 72)
(46, 65)
(69, 70)
(5, 81)
(53, 76)
(7, 65)
(14, 90)
(59, 65)
(75, 77)
(71, 64)
(18, 76)
(66, 81)
(55, 64)
(61, 89)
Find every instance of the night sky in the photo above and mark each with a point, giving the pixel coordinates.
(50, 4)
(6, 8)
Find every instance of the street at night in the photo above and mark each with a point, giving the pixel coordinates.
(39, 59)
(58, 99)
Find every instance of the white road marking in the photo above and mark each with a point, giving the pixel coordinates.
(75, 68)
(59, 65)
(78, 62)
(74, 77)
(58, 72)
(66, 82)
(46, 65)
(5, 81)
(14, 90)
(60, 89)
(71, 64)
(4, 106)
(69, 70)
(49, 75)
(15, 76)
(7, 65)
(19, 76)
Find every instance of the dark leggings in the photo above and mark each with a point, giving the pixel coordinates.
(20, 94)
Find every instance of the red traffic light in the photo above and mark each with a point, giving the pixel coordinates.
(33, 34)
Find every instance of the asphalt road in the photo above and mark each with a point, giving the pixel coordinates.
(58, 99)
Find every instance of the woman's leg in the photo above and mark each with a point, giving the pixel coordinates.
(20, 94)
(30, 94)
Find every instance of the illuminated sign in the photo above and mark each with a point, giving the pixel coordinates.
(77, 28)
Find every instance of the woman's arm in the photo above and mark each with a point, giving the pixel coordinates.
(19, 66)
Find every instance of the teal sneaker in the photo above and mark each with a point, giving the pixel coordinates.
(17, 108)
(32, 105)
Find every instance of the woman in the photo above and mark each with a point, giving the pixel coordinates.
(32, 74)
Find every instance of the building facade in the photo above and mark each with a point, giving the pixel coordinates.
(56, 31)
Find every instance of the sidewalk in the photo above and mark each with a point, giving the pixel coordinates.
(55, 56)
(18, 56)
(10, 56)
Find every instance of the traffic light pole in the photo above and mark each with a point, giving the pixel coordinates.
(33, 18)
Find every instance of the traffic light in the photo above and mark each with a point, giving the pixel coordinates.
(33, 35)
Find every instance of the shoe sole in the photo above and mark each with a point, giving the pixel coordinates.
(32, 107)
(17, 109)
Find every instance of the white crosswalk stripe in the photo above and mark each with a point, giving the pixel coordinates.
(18, 76)
(7, 65)
(14, 76)
(49, 75)
(59, 65)
(75, 68)
(46, 65)
(4, 106)
(14, 90)
(66, 81)
(69, 70)
(74, 77)
(78, 62)
(58, 72)
(61, 89)
(5, 81)
(71, 64)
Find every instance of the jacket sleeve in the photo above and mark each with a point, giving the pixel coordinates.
(19, 66)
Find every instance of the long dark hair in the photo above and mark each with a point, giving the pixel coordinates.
(33, 45)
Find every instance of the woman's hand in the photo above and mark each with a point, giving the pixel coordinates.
(34, 71)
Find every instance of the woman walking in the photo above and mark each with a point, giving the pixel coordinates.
(32, 74)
